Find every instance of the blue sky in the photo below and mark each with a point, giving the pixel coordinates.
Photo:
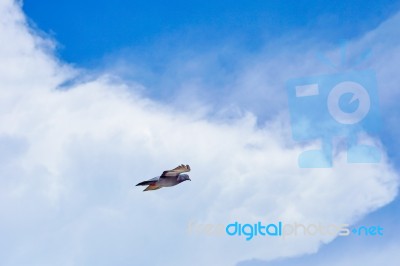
(156, 39)
(98, 95)
(87, 30)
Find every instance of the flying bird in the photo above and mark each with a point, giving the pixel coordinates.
(168, 178)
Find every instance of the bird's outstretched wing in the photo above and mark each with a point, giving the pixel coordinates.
(176, 171)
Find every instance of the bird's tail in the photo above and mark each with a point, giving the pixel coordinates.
(146, 183)
(152, 187)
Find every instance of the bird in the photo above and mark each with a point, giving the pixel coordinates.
(168, 178)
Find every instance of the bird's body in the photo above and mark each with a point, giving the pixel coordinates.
(168, 178)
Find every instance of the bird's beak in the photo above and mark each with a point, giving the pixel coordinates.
(190, 179)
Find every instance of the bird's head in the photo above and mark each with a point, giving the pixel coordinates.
(183, 177)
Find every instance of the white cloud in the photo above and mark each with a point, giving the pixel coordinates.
(70, 159)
